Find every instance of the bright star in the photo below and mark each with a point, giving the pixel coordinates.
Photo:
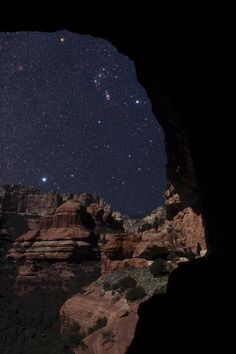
(137, 101)
(44, 179)
(108, 96)
(62, 39)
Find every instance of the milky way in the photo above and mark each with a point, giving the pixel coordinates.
(74, 118)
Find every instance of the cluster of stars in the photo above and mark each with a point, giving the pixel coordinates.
(74, 118)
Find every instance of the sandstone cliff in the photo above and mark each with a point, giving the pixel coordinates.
(71, 229)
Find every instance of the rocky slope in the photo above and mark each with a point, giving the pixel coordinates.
(119, 316)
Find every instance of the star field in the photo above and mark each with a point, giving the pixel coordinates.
(75, 119)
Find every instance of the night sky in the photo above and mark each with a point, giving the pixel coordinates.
(73, 118)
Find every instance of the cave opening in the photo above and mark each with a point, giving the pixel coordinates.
(195, 66)
(182, 197)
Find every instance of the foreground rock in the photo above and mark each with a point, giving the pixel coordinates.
(105, 311)
(115, 338)
(94, 305)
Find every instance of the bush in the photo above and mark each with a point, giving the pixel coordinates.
(115, 286)
(107, 286)
(72, 336)
(108, 336)
(135, 294)
(159, 268)
(101, 322)
(127, 283)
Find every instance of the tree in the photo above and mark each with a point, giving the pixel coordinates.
(127, 283)
(159, 268)
(135, 294)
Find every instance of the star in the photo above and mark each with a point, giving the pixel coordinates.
(108, 96)
(19, 67)
(44, 179)
(137, 101)
(62, 39)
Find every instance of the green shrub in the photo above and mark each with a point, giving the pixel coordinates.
(107, 286)
(159, 268)
(115, 286)
(127, 283)
(108, 336)
(135, 294)
(72, 336)
(101, 322)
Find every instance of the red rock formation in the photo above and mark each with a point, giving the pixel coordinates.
(187, 230)
(115, 338)
(117, 246)
(110, 266)
(62, 235)
(152, 237)
(22, 206)
(86, 309)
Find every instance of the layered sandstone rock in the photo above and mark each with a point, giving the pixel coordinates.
(66, 234)
(22, 206)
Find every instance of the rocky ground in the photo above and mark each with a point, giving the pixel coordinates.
(69, 243)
